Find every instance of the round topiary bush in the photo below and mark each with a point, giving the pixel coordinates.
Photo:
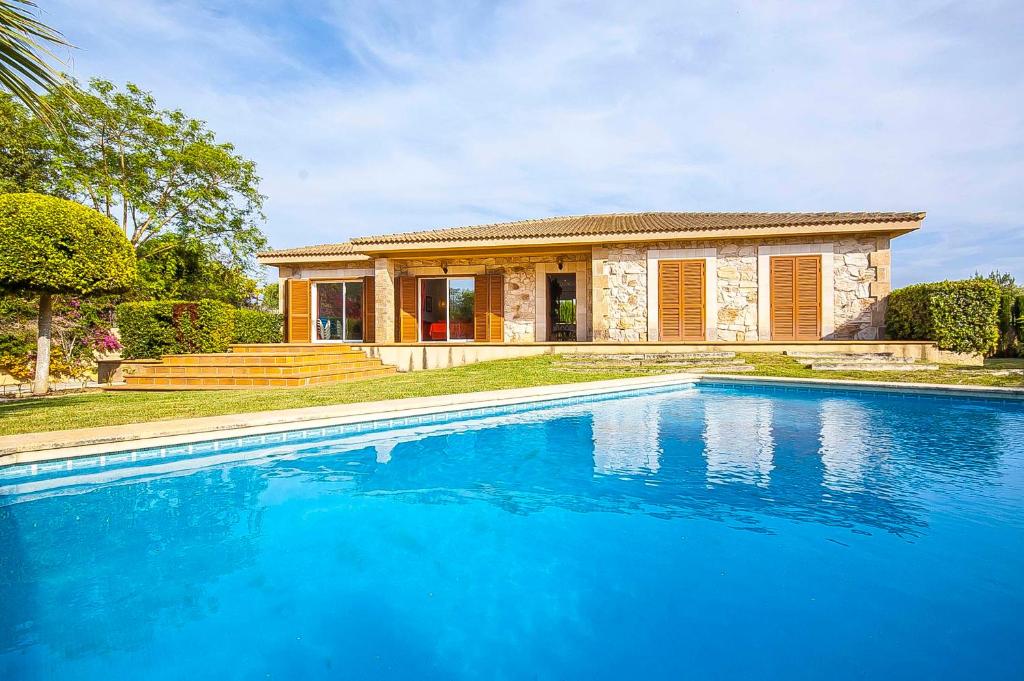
(52, 246)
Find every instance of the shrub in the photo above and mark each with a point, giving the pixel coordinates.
(170, 327)
(51, 246)
(962, 316)
(256, 326)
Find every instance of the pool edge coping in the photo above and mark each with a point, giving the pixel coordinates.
(30, 448)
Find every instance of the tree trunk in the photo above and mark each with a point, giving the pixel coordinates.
(41, 384)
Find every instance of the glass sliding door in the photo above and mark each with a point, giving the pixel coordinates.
(339, 311)
(446, 309)
(461, 293)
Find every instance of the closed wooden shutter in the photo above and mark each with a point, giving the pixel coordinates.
(408, 310)
(681, 300)
(299, 310)
(369, 310)
(795, 304)
(489, 308)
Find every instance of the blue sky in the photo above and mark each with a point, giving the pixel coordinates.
(368, 117)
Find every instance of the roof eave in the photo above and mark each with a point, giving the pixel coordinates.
(894, 229)
(277, 259)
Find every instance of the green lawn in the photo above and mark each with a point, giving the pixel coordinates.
(114, 408)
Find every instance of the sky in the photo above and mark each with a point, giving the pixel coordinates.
(375, 117)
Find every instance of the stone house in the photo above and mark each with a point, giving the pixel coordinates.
(618, 278)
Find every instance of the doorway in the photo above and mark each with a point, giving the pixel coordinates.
(339, 310)
(561, 307)
(446, 309)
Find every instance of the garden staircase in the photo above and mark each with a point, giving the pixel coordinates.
(271, 365)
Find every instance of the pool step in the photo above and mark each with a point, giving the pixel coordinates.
(254, 366)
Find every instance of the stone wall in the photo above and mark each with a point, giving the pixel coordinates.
(860, 269)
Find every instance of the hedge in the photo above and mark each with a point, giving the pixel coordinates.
(961, 316)
(170, 327)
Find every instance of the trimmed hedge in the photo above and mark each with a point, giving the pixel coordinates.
(257, 326)
(170, 327)
(961, 316)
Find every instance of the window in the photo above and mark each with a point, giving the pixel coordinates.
(339, 311)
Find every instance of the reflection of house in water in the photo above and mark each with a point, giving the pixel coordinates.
(845, 453)
(626, 439)
(738, 441)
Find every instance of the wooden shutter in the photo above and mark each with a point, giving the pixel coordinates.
(795, 302)
(808, 298)
(299, 310)
(681, 300)
(369, 310)
(489, 308)
(408, 310)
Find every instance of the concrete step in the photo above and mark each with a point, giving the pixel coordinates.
(870, 366)
(655, 365)
(887, 356)
(652, 356)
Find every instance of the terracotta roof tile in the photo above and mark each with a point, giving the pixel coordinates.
(630, 223)
(610, 225)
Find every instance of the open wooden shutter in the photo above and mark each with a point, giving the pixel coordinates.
(408, 310)
(299, 311)
(681, 300)
(796, 297)
(369, 310)
(489, 308)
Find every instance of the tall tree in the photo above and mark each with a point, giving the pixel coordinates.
(26, 150)
(25, 55)
(156, 172)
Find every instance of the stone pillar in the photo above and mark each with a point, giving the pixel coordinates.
(599, 292)
(881, 260)
(384, 300)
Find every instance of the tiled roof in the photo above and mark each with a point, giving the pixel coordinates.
(589, 226)
(630, 223)
(324, 249)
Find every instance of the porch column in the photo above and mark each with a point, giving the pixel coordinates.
(599, 293)
(384, 300)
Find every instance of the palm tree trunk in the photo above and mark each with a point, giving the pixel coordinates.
(41, 384)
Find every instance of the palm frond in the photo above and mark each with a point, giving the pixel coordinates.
(26, 55)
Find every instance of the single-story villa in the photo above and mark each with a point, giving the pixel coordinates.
(621, 278)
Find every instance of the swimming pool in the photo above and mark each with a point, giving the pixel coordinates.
(708, 532)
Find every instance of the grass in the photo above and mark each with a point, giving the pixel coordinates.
(117, 408)
(84, 410)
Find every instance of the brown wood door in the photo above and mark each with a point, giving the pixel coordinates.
(489, 308)
(681, 302)
(796, 297)
(299, 311)
(369, 310)
(408, 310)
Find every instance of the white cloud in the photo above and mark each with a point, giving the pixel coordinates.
(381, 117)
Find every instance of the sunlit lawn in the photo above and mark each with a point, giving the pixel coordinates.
(116, 408)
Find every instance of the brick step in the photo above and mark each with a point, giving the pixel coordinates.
(228, 383)
(870, 366)
(263, 358)
(260, 371)
(290, 348)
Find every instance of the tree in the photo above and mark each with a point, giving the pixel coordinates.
(51, 246)
(26, 154)
(155, 172)
(188, 269)
(25, 44)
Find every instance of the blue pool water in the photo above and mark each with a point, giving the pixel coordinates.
(702, 533)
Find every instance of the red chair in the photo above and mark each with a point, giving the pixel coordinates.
(437, 331)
